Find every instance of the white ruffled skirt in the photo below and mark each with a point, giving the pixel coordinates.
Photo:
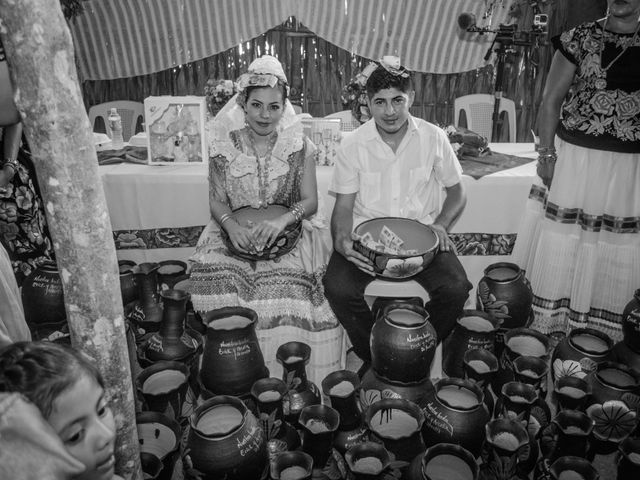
(579, 242)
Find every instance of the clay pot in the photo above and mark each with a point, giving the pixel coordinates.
(519, 342)
(520, 401)
(573, 467)
(505, 293)
(622, 353)
(367, 460)
(171, 272)
(613, 381)
(226, 441)
(341, 387)
(318, 425)
(151, 466)
(455, 413)
(163, 387)
(294, 357)
(580, 353)
(474, 329)
(128, 287)
(268, 394)
(480, 366)
(160, 436)
(232, 360)
(171, 342)
(572, 393)
(631, 322)
(532, 371)
(443, 461)
(629, 460)
(572, 429)
(42, 297)
(292, 465)
(380, 303)
(506, 445)
(397, 423)
(147, 312)
(374, 388)
(403, 344)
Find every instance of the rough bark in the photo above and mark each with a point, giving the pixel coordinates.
(42, 65)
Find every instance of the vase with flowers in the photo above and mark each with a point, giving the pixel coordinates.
(218, 93)
(354, 94)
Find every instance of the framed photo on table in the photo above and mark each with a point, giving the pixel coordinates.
(325, 135)
(175, 129)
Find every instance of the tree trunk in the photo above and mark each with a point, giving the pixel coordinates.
(42, 64)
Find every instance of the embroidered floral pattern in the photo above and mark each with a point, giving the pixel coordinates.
(567, 368)
(590, 108)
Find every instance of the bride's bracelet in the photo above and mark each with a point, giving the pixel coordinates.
(547, 154)
(224, 218)
(297, 210)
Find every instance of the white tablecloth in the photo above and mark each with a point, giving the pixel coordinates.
(157, 212)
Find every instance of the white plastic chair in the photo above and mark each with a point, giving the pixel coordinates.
(478, 109)
(132, 113)
(347, 122)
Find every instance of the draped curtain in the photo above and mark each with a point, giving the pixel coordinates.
(174, 46)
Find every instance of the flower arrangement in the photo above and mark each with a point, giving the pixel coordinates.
(354, 94)
(218, 93)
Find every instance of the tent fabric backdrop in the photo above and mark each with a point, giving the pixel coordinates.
(127, 38)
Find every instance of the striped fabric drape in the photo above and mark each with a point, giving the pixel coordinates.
(126, 38)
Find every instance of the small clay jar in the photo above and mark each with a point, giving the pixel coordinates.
(631, 322)
(444, 460)
(294, 357)
(367, 460)
(580, 352)
(318, 425)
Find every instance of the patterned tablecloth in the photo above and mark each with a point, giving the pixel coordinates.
(158, 212)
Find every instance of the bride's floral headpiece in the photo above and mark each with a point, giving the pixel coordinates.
(263, 72)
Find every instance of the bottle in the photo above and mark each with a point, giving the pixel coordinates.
(115, 126)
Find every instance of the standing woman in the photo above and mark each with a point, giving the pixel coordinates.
(23, 228)
(580, 241)
(259, 156)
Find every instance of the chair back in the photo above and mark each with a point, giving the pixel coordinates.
(478, 109)
(132, 114)
(347, 121)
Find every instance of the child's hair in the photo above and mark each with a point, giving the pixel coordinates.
(382, 78)
(43, 370)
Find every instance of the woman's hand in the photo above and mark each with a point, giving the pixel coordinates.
(241, 237)
(266, 232)
(545, 168)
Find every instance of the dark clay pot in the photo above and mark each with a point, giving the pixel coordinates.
(294, 357)
(622, 353)
(42, 297)
(341, 388)
(172, 341)
(128, 287)
(374, 388)
(163, 387)
(397, 424)
(226, 441)
(580, 352)
(147, 312)
(443, 461)
(318, 425)
(380, 303)
(285, 464)
(171, 272)
(519, 342)
(572, 393)
(361, 455)
(569, 435)
(576, 465)
(268, 395)
(505, 447)
(628, 462)
(480, 366)
(474, 329)
(455, 413)
(160, 436)
(613, 381)
(232, 360)
(505, 293)
(631, 322)
(532, 371)
(403, 344)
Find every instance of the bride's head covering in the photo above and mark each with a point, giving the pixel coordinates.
(265, 71)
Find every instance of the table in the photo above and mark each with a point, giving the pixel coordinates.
(157, 212)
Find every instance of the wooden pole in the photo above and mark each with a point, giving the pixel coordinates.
(42, 65)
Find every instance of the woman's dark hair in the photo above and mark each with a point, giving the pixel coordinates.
(43, 370)
(381, 79)
(244, 95)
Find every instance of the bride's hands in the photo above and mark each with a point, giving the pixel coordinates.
(241, 237)
(266, 232)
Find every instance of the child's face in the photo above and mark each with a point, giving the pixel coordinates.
(84, 422)
(389, 108)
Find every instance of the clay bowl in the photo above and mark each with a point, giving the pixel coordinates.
(284, 243)
(416, 236)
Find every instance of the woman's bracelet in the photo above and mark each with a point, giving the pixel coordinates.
(297, 210)
(224, 218)
(12, 163)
